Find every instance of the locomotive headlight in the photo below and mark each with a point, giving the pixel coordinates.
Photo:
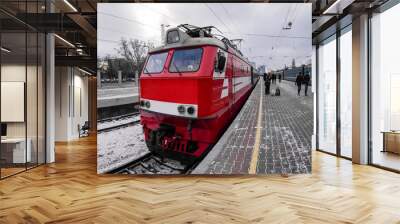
(142, 103)
(181, 109)
(190, 110)
(147, 104)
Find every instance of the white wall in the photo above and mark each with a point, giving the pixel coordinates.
(14, 72)
(13, 101)
(17, 73)
(71, 87)
(33, 126)
(61, 103)
(80, 97)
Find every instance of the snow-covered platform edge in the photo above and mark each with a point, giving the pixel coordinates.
(216, 150)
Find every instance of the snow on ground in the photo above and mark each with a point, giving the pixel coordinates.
(126, 120)
(111, 92)
(116, 96)
(291, 88)
(119, 147)
(167, 166)
(116, 85)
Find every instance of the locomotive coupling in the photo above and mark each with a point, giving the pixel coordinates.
(169, 141)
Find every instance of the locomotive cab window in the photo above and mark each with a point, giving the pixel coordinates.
(186, 60)
(155, 63)
(172, 37)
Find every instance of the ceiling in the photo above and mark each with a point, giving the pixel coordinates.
(75, 22)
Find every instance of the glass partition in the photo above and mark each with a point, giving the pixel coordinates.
(22, 77)
(13, 94)
(385, 89)
(327, 95)
(31, 97)
(41, 97)
(346, 93)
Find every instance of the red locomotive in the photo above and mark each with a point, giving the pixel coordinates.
(191, 89)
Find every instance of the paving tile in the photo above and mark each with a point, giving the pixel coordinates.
(288, 125)
(286, 130)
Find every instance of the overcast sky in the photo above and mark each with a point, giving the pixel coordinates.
(260, 25)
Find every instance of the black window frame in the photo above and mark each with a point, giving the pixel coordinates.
(216, 61)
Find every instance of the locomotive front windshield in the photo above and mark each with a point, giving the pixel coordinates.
(186, 60)
(155, 63)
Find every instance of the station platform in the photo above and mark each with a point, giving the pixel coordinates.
(117, 96)
(270, 135)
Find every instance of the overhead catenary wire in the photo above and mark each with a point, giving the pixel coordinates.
(281, 28)
(293, 22)
(130, 20)
(270, 35)
(222, 17)
(216, 16)
(277, 38)
(281, 56)
(165, 15)
(105, 40)
(230, 18)
(295, 15)
(129, 34)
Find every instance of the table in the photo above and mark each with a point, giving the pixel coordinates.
(391, 141)
(13, 150)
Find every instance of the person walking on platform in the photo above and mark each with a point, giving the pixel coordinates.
(306, 81)
(267, 83)
(299, 81)
(280, 77)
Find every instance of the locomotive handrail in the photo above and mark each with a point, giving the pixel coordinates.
(196, 28)
(224, 39)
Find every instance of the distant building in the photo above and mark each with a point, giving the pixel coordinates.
(110, 67)
(290, 74)
(261, 69)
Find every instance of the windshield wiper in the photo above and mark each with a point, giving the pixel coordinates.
(176, 68)
(146, 71)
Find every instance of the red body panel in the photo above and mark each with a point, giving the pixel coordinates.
(218, 100)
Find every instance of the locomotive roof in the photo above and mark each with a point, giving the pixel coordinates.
(197, 41)
(192, 42)
(187, 39)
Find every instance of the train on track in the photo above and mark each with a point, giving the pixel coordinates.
(191, 88)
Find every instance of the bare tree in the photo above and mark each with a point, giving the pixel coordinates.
(134, 51)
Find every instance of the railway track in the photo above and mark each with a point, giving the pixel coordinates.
(118, 125)
(118, 117)
(152, 164)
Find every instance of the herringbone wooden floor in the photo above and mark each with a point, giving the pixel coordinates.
(70, 191)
